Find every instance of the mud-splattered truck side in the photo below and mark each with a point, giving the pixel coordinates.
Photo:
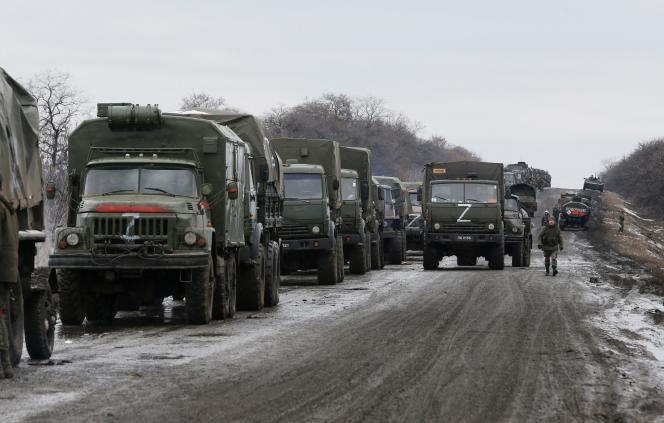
(311, 230)
(359, 218)
(395, 218)
(157, 208)
(31, 311)
(463, 213)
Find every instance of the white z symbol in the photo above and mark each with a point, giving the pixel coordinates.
(461, 219)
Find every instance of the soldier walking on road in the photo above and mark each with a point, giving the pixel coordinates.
(8, 278)
(545, 218)
(621, 220)
(551, 241)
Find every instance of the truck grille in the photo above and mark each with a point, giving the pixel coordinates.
(465, 228)
(295, 231)
(144, 227)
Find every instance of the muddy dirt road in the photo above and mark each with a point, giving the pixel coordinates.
(459, 344)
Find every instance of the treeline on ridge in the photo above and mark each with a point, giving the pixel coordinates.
(397, 149)
(639, 177)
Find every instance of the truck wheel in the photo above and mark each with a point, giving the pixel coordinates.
(101, 307)
(394, 250)
(517, 255)
(375, 255)
(526, 254)
(404, 245)
(272, 278)
(72, 309)
(358, 257)
(40, 320)
(367, 251)
(497, 257)
(15, 322)
(430, 258)
(223, 305)
(199, 295)
(251, 285)
(328, 267)
(340, 258)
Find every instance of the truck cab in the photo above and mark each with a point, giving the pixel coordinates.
(518, 237)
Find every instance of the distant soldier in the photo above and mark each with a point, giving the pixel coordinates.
(551, 241)
(621, 221)
(545, 218)
(8, 277)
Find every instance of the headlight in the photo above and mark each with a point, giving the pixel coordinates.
(436, 226)
(73, 239)
(515, 229)
(492, 226)
(315, 229)
(190, 238)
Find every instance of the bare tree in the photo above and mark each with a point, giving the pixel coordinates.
(201, 101)
(59, 110)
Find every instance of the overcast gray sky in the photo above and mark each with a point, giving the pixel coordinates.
(562, 85)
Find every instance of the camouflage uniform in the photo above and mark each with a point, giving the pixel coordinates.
(8, 277)
(545, 218)
(621, 219)
(551, 241)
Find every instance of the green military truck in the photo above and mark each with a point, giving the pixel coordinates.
(264, 219)
(358, 216)
(518, 235)
(462, 206)
(311, 229)
(157, 208)
(31, 313)
(395, 218)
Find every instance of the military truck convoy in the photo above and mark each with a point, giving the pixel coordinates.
(31, 313)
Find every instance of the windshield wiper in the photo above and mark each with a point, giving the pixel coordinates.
(441, 198)
(117, 191)
(472, 199)
(163, 191)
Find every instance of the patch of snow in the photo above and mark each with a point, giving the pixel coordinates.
(633, 213)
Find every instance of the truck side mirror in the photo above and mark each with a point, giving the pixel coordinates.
(50, 190)
(206, 189)
(335, 184)
(232, 190)
(419, 194)
(364, 191)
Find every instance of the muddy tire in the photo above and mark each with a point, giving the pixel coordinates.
(328, 267)
(395, 249)
(71, 306)
(358, 258)
(404, 245)
(517, 255)
(340, 259)
(526, 254)
(497, 257)
(101, 308)
(251, 284)
(224, 302)
(272, 277)
(430, 258)
(15, 322)
(40, 320)
(199, 295)
(375, 254)
(367, 251)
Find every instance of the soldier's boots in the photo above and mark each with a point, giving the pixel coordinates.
(555, 271)
(7, 368)
(547, 270)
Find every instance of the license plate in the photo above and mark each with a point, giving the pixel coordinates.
(464, 238)
(283, 244)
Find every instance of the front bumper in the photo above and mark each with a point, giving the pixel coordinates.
(316, 244)
(461, 238)
(129, 261)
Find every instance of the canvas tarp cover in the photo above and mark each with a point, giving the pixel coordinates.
(249, 129)
(20, 162)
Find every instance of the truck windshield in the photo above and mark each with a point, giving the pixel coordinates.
(303, 186)
(349, 189)
(108, 180)
(464, 193)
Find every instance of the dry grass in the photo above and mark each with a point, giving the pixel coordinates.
(642, 241)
